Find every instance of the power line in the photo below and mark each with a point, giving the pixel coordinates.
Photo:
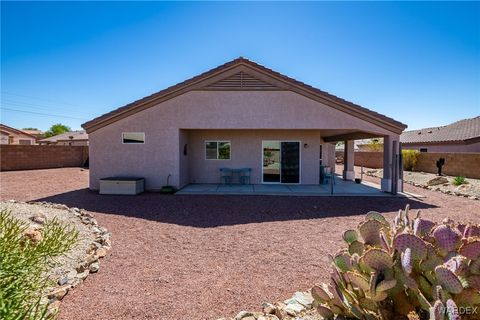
(36, 98)
(40, 113)
(11, 103)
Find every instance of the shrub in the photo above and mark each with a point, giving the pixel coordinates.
(24, 260)
(459, 181)
(412, 268)
(410, 158)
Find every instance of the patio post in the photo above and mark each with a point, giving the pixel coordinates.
(391, 165)
(348, 160)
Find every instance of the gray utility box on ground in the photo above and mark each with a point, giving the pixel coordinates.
(122, 185)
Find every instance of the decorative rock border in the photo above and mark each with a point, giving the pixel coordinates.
(433, 188)
(96, 250)
(299, 307)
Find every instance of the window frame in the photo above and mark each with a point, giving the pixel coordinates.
(217, 142)
(122, 137)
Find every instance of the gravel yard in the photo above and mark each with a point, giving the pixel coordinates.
(204, 257)
(471, 188)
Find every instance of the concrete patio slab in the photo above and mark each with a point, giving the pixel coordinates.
(340, 188)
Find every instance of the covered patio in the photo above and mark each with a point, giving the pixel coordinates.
(341, 187)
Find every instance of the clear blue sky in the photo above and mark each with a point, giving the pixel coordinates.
(416, 62)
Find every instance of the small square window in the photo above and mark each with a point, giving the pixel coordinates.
(423, 150)
(133, 137)
(217, 150)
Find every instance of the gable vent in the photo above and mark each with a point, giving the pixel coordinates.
(241, 80)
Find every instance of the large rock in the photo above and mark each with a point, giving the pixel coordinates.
(436, 181)
(304, 298)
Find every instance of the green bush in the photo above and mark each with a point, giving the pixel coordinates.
(459, 181)
(413, 267)
(23, 263)
(410, 158)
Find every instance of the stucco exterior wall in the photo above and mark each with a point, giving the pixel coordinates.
(246, 152)
(162, 124)
(444, 147)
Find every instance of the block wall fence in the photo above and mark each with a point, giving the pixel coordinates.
(27, 157)
(456, 164)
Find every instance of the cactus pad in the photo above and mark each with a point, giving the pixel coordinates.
(422, 226)
(437, 312)
(471, 249)
(474, 282)
(448, 280)
(325, 312)
(374, 215)
(452, 310)
(386, 285)
(358, 280)
(475, 266)
(416, 244)
(342, 261)
(406, 260)
(446, 238)
(377, 259)
(321, 294)
(471, 231)
(370, 231)
(356, 247)
(350, 236)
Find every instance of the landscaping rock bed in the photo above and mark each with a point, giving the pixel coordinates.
(433, 182)
(299, 307)
(69, 270)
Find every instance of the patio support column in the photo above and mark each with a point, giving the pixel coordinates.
(391, 165)
(348, 160)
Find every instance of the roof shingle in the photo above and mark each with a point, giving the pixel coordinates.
(462, 130)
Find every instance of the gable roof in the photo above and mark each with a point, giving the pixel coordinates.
(466, 130)
(258, 77)
(75, 136)
(15, 131)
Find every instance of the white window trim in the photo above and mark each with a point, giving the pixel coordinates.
(142, 133)
(217, 141)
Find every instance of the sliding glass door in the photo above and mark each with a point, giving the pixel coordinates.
(281, 161)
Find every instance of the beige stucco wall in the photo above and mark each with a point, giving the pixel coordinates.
(246, 152)
(473, 147)
(161, 154)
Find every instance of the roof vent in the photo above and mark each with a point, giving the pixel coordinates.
(241, 80)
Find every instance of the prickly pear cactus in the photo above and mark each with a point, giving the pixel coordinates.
(411, 269)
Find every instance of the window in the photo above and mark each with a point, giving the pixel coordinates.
(217, 150)
(423, 149)
(133, 137)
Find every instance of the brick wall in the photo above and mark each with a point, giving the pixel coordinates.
(22, 157)
(363, 158)
(456, 164)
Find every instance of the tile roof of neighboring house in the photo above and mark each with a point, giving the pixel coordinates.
(467, 130)
(16, 131)
(33, 132)
(67, 136)
(179, 88)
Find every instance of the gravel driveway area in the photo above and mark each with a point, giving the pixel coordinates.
(204, 257)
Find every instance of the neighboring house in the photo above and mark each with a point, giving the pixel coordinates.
(460, 136)
(9, 135)
(38, 134)
(238, 115)
(71, 138)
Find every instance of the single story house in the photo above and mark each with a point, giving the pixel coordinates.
(38, 134)
(9, 135)
(70, 138)
(238, 115)
(460, 136)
